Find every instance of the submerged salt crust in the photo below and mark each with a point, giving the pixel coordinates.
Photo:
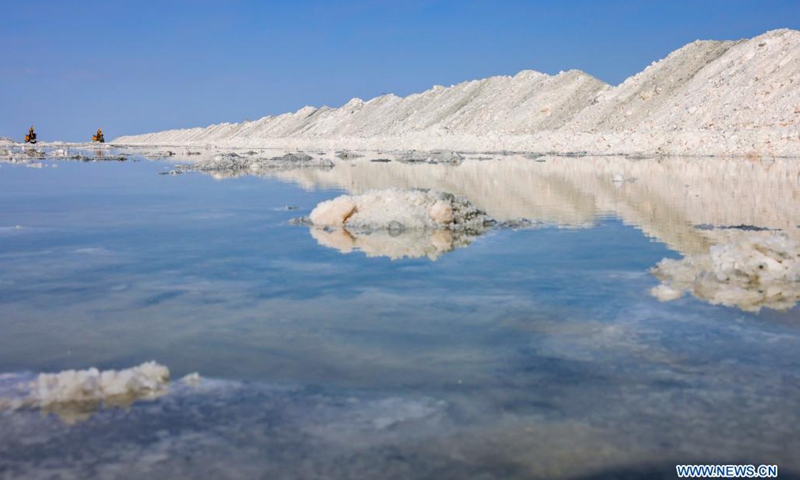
(753, 272)
(706, 98)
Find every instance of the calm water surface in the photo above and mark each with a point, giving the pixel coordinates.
(527, 353)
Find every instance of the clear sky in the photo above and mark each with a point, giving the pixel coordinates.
(139, 66)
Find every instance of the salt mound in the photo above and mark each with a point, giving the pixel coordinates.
(520, 104)
(75, 395)
(398, 223)
(523, 104)
(641, 96)
(397, 210)
(752, 273)
(706, 98)
(709, 97)
(92, 385)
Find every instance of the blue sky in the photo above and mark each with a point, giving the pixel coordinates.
(139, 66)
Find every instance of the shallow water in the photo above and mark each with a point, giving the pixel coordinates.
(535, 352)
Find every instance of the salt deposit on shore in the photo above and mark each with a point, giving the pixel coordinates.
(707, 98)
(752, 273)
(18, 153)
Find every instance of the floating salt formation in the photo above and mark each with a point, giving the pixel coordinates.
(93, 385)
(751, 273)
(398, 223)
(397, 210)
(74, 395)
(192, 379)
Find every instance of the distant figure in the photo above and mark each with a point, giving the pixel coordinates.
(98, 137)
(31, 136)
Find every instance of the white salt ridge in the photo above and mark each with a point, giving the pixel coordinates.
(707, 98)
(751, 273)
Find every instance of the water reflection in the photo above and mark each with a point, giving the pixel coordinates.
(670, 199)
(667, 198)
(751, 272)
(394, 244)
(233, 429)
(689, 204)
(536, 353)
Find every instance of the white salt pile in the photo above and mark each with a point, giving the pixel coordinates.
(509, 104)
(707, 98)
(752, 273)
(398, 223)
(396, 210)
(92, 385)
(74, 395)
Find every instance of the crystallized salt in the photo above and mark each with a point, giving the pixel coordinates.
(398, 223)
(705, 98)
(93, 385)
(396, 209)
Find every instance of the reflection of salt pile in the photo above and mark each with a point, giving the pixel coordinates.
(752, 273)
(398, 223)
(667, 198)
(393, 244)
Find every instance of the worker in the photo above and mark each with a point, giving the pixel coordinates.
(98, 137)
(31, 136)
